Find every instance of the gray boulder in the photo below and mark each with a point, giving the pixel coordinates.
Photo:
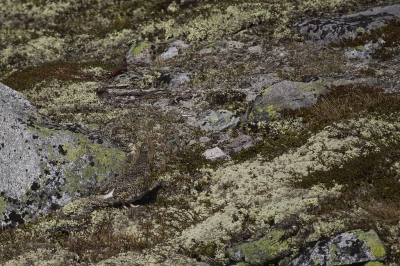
(349, 248)
(44, 166)
(283, 95)
(349, 26)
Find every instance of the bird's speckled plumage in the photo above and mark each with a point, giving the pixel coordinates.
(132, 185)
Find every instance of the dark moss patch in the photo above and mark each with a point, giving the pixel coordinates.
(203, 249)
(343, 102)
(364, 179)
(190, 160)
(29, 77)
(224, 97)
(271, 146)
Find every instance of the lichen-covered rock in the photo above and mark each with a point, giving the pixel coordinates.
(43, 165)
(173, 49)
(364, 52)
(239, 143)
(269, 249)
(283, 95)
(217, 120)
(141, 53)
(332, 30)
(253, 85)
(349, 248)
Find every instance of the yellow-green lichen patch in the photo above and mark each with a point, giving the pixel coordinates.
(373, 242)
(317, 86)
(233, 18)
(73, 158)
(72, 102)
(265, 250)
(103, 162)
(2, 206)
(262, 190)
(137, 49)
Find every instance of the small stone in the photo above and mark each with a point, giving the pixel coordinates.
(215, 154)
(204, 139)
(255, 49)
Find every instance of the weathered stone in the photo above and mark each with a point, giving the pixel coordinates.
(283, 95)
(215, 154)
(217, 120)
(255, 84)
(269, 249)
(234, 45)
(333, 30)
(364, 52)
(173, 49)
(348, 248)
(140, 54)
(255, 49)
(239, 143)
(178, 80)
(44, 167)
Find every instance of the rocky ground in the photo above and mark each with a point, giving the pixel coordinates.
(272, 128)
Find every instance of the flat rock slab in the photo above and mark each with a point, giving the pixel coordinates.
(43, 166)
(333, 30)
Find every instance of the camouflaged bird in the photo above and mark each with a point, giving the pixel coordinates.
(129, 187)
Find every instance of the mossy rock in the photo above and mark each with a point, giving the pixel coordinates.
(271, 248)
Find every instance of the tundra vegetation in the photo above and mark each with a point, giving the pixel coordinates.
(314, 172)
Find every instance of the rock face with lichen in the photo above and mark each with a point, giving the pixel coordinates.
(344, 249)
(274, 139)
(269, 249)
(283, 95)
(348, 26)
(44, 166)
